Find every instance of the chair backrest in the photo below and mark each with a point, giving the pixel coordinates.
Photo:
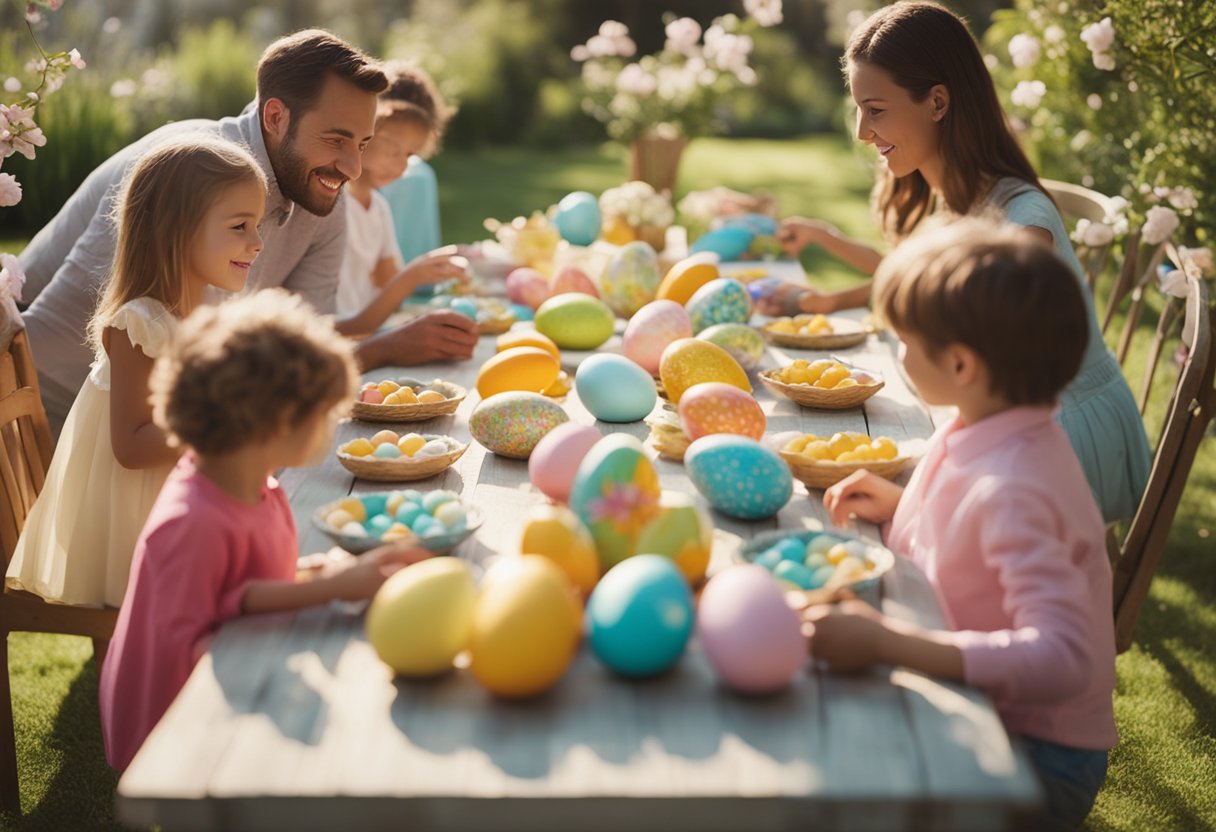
(1077, 203)
(25, 441)
(1188, 413)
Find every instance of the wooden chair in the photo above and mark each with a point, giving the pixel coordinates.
(1188, 413)
(25, 455)
(1076, 203)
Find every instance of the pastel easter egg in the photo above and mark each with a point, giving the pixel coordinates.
(384, 436)
(578, 218)
(639, 616)
(432, 500)
(421, 618)
(387, 451)
(575, 321)
(721, 301)
(528, 287)
(715, 407)
(526, 338)
(371, 396)
(556, 457)
(525, 627)
(690, 361)
(651, 329)
(510, 424)
(630, 279)
(519, 368)
(728, 243)
(687, 276)
(377, 525)
(750, 636)
(743, 342)
(353, 529)
(556, 533)
(573, 279)
(615, 494)
(521, 312)
(434, 447)
(739, 476)
(465, 307)
(451, 513)
(683, 532)
(614, 389)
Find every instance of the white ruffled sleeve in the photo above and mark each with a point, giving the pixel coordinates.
(148, 324)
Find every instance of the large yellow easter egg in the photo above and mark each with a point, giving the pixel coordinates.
(687, 276)
(519, 368)
(556, 533)
(526, 338)
(422, 616)
(690, 361)
(525, 627)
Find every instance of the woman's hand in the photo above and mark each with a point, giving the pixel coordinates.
(864, 495)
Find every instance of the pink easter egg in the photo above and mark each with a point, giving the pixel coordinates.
(555, 459)
(371, 395)
(716, 407)
(752, 638)
(651, 329)
(528, 286)
(573, 279)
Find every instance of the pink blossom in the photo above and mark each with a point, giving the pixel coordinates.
(1024, 50)
(77, 61)
(12, 276)
(766, 12)
(1104, 61)
(1100, 36)
(683, 34)
(1028, 94)
(1159, 223)
(10, 190)
(634, 80)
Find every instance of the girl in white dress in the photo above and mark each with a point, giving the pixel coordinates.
(188, 219)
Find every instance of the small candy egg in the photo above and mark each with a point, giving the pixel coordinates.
(384, 436)
(435, 447)
(387, 451)
(791, 549)
(409, 512)
(410, 443)
(430, 397)
(378, 525)
(857, 549)
(358, 447)
(837, 553)
(388, 386)
(394, 502)
(450, 513)
(355, 506)
(353, 529)
(435, 499)
(424, 522)
(821, 576)
(821, 544)
(795, 573)
(413, 495)
(397, 531)
(372, 396)
(815, 560)
(374, 504)
(769, 559)
(465, 307)
(338, 518)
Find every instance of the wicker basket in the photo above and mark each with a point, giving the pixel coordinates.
(834, 398)
(816, 473)
(453, 395)
(667, 434)
(402, 469)
(847, 333)
(496, 326)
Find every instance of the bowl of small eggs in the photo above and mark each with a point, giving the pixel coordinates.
(815, 332)
(824, 384)
(436, 520)
(407, 400)
(812, 560)
(823, 461)
(493, 317)
(391, 457)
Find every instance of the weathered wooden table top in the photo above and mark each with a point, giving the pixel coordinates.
(291, 722)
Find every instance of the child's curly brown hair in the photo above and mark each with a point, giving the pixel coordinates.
(243, 371)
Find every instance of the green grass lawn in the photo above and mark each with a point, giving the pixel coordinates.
(1162, 773)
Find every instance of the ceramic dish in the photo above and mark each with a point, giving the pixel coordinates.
(877, 560)
(357, 544)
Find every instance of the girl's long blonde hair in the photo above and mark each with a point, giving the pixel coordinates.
(921, 45)
(163, 201)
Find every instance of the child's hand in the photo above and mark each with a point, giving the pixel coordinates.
(436, 268)
(847, 636)
(796, 233)
(785, 298)
(358, 578)
(864, 495)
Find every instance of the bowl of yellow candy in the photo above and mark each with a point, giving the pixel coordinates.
(815, 332)
(389, 457)
(406, 400)
(823, 384)
(821, 461)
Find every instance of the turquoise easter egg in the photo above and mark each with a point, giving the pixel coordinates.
(743, 342)
(615, 389)
(721, 301)
(615, 493)
(631, 278)
(639, 616)
(728, 243)
(465, 307)
(754, 223)
(578, 218)
(739, 476)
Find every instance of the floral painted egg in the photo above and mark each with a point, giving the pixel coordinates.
(651, 329)
(683, 532)
(616, 493)
(739, 476)
(527, 286)
(687, 276)
(630, 279)
(510, 424)
(556, 457)
(575, 321)
(578, 218)
(743, 342)
(690, 361)
(614, 389)
(573, 279)
(721, 301)
(714, 407)
(518, 368)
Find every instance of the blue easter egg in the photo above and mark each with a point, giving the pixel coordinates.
(640, 615)
(738, 475)
(727, 243)
(465, 307)
(822, 575)
(377, 524)
(615, 389)
(795, 573)
(791, 549)
(578, 218)
(424, 522)
(769, 559)
(721, 301)
(375, 503)
(755, 223)
(522, 313)
(408, 513)
(434, 499)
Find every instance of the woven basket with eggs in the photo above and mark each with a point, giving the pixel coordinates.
(418, 456)
(436, 398)
(822, 384)
(815, 332)
(816, 461)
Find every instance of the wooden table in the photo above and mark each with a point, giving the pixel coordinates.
(291, 722)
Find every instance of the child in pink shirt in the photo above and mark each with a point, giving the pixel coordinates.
(249, 387)
(998, 513)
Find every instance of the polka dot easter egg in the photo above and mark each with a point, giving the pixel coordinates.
(739, 476)
(715, 407)
(720, 301)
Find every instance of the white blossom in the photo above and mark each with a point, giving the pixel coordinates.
(12, 85)
(1183, 199)
(1100, 36)
(1199, 257)
(1053, 34)
(1104, 61)
(123, 88)
(10, 190)
(634, 80)
(76, 60)
(1024, 50)
(1028, 94)
(683, 35)
(1159, 223)
(1094, 101)
(766, 12)
(12, 276)
(1093, 234)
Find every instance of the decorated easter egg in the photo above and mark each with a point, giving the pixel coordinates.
(422, 616)
(526, 338)
(714, 407)
(651, 329)
(525, 627)
(753, 640)
(630, 279)
(721, 301)
(528, 287)
(728, 243)
(681, 531)
(738, 475)
(614, 389)
(522, 312)
(575, 321)
(690, 361)
(573, 279)
(556, 533)
(687, 276)
(556, 457)
(743, 342)
(519, 368)
(510, 424)
(639, 616)
(578, 218)
(615, 494)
